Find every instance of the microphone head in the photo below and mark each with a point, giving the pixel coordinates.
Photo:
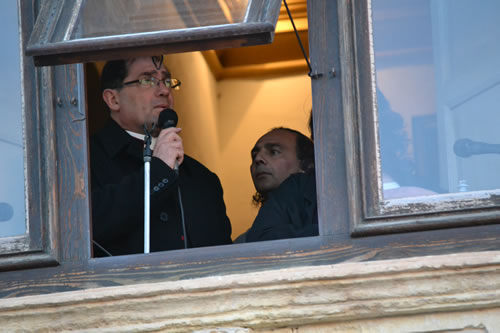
(168, 118)
(462, 147)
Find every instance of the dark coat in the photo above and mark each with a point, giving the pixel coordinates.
(117, 179)
(289, 212)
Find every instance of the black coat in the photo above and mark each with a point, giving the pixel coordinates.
(289, 212)
(117, 179)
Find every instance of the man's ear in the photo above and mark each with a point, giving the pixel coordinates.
(111, 98)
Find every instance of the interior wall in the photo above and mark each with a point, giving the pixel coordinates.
(196, 106)
(221, 122)
(247, 110)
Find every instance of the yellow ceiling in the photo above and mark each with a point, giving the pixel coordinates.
(282, 57)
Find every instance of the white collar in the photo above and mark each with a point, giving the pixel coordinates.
(141, 137)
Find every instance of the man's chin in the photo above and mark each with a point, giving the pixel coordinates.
(153, 124)
(266, 189)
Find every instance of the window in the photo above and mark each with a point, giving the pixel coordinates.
(24, 235)
(445, 96)
(12, 211)
(92, 30)
(426, 118)
(349, 187)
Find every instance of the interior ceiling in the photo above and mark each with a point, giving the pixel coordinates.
(282, 57)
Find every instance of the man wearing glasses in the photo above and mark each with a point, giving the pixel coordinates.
(136, 91)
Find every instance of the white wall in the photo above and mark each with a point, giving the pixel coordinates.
(221, 122)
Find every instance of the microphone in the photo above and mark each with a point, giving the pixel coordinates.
(467, 148)
(6, 212)
(168, 118)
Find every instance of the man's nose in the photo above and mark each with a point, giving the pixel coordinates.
(163, 90)
(259, 159)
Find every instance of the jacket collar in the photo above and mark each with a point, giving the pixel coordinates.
(116, 140)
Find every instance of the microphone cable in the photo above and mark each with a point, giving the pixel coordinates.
(181, 208)
(102, 248)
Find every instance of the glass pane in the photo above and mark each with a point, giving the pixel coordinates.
(12, 197)
(68, 32)
(118, 17)
(437, 68)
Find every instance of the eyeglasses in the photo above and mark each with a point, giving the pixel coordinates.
(151, 82)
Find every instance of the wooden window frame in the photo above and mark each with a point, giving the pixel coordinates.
(39, 246)
(370, 213)
(337, 169)
(50, 43)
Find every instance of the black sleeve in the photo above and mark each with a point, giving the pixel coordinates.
(222, 219)
(204, 207)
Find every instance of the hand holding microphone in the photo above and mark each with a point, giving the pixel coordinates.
(169, 146)
(170, 150)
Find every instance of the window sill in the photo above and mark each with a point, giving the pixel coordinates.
(275, 298)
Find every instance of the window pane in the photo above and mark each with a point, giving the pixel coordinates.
(437, 74)
(12, 197)
(117, 17)
(68, 32)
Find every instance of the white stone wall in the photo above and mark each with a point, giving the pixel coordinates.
(449, 293)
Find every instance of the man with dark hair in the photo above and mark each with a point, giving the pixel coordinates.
(290, 210)
(276, 155)
(136, 91)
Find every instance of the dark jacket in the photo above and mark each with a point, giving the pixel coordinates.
(117, 179)
(289, 212)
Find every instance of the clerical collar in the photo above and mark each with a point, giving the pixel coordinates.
(141, 137)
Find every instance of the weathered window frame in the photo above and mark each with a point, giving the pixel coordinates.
(372, 214)
(50, 43)
(39, 246)
(335, 97)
